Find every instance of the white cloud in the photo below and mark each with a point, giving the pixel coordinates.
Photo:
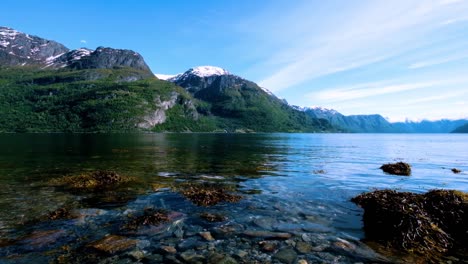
(83, 41)
(375, 31)
(428, 63)
(366, 90)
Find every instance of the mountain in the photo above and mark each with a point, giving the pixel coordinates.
(352, 123)
(461, 129)
(242, 105)
(46, 87)
(378, 124)
(20, 49)
(425, 126)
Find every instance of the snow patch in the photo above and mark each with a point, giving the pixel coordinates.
(267, 91)
(4, 43)
(80, 53)
(200, 71)
(206, 71)
(323, 109)
(8, 33)
(165, 77)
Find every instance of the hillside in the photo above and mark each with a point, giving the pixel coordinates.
(461, 129)
(33, 100)
(352, 123)
(241, 105)
(425, 126)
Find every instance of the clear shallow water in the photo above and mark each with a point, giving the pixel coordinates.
(295, 183)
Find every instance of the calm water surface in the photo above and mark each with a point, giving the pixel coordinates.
(295, 183)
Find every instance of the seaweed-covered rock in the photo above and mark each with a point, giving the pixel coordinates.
(150, 217)
(113, 243)
(399, 168)
(61, 213)
(96, 180)
(208, 194)
(213, 217)
(434, 222)
(151, 222)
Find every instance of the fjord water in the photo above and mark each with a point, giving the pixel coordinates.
(296, 183)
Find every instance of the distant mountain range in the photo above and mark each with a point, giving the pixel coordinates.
(378, 124)
(461, 129)
(44, 86)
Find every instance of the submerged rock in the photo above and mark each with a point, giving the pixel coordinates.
(113, 243)
(208, 194)
(286, 255)
(41, 239)
(399, 168)
(213, 217)
(94, 181)
(152, 222)
(434, 222)
(266, 234)
(61, 213)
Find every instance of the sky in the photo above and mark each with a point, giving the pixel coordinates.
(403, 59)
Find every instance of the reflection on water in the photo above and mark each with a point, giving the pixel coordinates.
(299, 184)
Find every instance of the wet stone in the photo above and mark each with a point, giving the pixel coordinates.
(113, 243)
(265, 222)
(266, 234)
(153, 258)
(303, 247)
(399, 168)
(207, 236)
(226, 231)
(137, 254)
(210, 217)
(41, 239)
(343, 244)
(268, 246)
(241, 254)
(191, 242)
(169, 249)
(192, 257)
(286, 255)
(217, 258)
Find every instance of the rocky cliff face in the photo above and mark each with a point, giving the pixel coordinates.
(17, 48)
(20, 49)
(108, 58)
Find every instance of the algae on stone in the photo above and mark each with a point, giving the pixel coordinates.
(208, 194)
(426, 224)
(399, 168)
(96, 180)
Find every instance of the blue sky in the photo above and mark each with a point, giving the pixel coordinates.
(400, 58)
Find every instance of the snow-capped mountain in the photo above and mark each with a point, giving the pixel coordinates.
(20, 49)
(201, 72)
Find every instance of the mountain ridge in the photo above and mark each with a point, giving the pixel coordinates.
(378, 124)
(109, 89)
(21, 49)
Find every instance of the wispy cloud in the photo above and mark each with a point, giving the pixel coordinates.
(367, 90)
(375, 31)
(83, 41)
(428, 63)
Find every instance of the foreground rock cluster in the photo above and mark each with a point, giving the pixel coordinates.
(426, 224)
